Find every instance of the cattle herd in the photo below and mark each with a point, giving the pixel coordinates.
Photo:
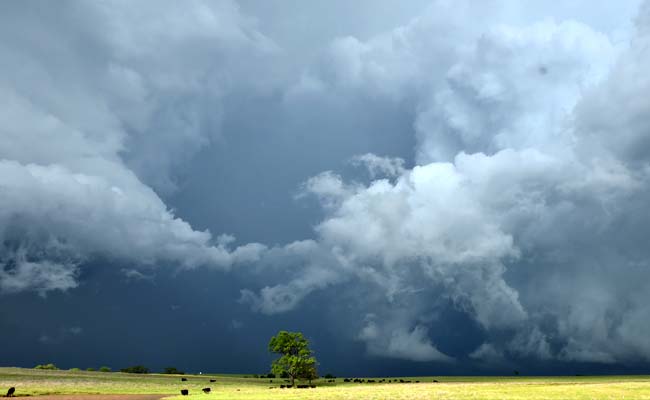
(205, 390)
(383, 380)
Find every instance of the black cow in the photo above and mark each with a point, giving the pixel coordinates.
(10, 392)
(289, 386)
(183, 379)
(346, 380)
(213, 380)
(302, 386)
(282, 386)
(185, 392)
(435, 381)
(206, 390)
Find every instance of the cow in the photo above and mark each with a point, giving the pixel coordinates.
(346, 380)
(212, 380)
(282, 386)
(435, 381)
(206, 390)
(183, 379)
(302, 386)
(185, 392)
(10, 392)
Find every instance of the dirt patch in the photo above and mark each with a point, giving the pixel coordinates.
(99, 397)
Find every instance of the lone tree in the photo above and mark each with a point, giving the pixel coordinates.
(296, 358)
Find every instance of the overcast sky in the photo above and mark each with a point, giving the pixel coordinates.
(421, 187)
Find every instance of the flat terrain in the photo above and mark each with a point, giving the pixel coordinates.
(80, 384)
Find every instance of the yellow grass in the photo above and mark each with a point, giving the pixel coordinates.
(35, 382)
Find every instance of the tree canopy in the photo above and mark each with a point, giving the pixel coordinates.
(296, 358)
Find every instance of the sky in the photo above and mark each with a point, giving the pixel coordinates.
(421, 187)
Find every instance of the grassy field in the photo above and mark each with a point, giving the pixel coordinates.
(37, 382)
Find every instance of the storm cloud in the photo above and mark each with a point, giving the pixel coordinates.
(519, 214)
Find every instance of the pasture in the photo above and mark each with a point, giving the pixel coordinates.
(29, 382)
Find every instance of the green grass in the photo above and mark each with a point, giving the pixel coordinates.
(237, 387)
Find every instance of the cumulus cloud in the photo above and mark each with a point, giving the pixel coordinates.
(101, 103)
(524, 209)
(403, 344)
(526, 203)
(380, 166)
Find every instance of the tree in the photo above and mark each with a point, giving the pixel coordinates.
(104, 369)
(46, 366)
(173, 370)
(296, 358)
(136, 369)
(310, 373)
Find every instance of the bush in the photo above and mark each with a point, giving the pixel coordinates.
(75, 369)
(90, 369)
(104, 369)
(136, 369)
(270, 375)
(172, 370)
(46, 366)
(329, 376)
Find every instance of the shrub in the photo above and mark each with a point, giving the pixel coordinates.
(329, 376)
(172, 370)
(270, 375)
(46, 366)
(136, 369)
(75, 369)
(104, 369)
(90, 369)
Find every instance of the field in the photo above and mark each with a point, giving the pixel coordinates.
(41, 382)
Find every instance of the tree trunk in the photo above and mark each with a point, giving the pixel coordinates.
(292, 379)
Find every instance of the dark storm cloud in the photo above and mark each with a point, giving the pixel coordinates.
(505, 204)
(100, 103)
(510, 182)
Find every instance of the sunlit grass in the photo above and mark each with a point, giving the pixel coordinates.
(35, 382)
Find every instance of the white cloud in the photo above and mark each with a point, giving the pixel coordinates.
(100, 103)
(525, 211)
(525, 207)
(380, 166)
(402, 344)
